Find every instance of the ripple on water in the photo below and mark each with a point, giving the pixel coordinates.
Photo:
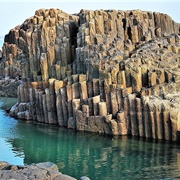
(8, 127)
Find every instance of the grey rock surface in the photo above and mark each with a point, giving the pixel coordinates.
(40, 171)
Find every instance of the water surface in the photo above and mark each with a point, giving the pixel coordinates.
(78, 154)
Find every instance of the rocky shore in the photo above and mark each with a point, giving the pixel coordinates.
(40, 171)
(105, 71)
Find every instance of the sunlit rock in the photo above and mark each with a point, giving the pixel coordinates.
(104, 71)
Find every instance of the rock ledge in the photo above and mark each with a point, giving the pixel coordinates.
(40, 171)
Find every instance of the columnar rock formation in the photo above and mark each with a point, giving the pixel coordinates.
(113, 72)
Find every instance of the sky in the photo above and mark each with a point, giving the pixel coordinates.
(14, 12)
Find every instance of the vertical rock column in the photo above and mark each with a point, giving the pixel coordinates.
(152, 120)
(159, 121)
(148, 123)
(51, 102)
(102, 109)
(113, 100)
(59, 108)
(63, 96)
(133, 119)
(167, 123)
(32, 98)
(39, 105)
(122, 125)
(175, 123)
(44, 67)
(69, 100)
(140, 120)
(127, 114)
(76, 106)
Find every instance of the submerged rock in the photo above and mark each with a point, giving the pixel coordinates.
(84, 178)
(103, 71)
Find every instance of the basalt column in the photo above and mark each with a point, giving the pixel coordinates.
(105, 71)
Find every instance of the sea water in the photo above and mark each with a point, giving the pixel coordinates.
(87, 154)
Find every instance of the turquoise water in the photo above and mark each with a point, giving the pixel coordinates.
(92, 155)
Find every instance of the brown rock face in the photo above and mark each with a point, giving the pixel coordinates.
(113, 72)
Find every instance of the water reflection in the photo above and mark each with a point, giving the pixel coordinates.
(7, 154)
(96, 156)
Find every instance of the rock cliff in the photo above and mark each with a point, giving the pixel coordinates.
(105, 71)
